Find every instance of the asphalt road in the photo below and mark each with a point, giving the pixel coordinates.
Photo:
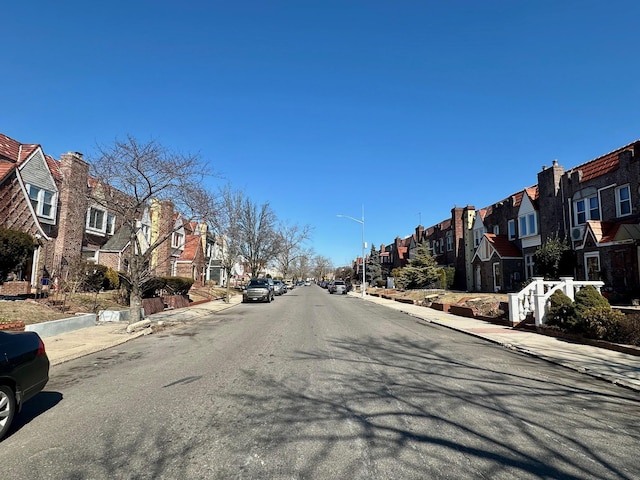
(317, 386)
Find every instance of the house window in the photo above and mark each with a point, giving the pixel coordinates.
(592, 265)
(528, 225)
(449, 241)
(441, 242)
(496, 230)
(177, 240)
(111, 224)
(96, 219)
(478, 233)
(528, 266)
(512, 229)
(586, 209)
(623, 201)
(42, 201)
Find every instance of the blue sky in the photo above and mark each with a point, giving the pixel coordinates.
(407, 108)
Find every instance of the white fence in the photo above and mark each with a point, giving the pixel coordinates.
(534, 297)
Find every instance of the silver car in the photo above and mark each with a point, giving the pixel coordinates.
(338, 286)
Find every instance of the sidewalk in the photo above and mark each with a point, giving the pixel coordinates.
(619, 368)
(78, 343)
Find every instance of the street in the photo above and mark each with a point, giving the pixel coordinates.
(319, 386)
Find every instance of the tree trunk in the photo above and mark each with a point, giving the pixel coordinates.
(135, 307)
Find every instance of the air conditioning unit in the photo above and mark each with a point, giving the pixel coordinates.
(577, 233)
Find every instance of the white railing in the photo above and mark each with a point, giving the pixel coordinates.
(534, 297)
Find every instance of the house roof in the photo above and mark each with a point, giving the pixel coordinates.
(503, 246)
(602, 165)
(12, 154)
(191, 245)
(607, 232)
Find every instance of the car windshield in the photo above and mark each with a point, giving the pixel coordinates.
(255, 283)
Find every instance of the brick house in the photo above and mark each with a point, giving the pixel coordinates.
(49, 199)
(597, 206)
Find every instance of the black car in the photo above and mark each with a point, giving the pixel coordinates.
(24, 371)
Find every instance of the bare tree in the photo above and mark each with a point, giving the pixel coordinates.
(301, 265)
(258, 239)
(322, 266)
(290, 240)
(227, 230)
(131, 175)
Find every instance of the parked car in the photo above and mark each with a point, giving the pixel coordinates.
(338, 286)
(279, 287)
(24, 371)
(259, 290)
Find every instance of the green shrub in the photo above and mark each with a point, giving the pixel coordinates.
(112, 279)
(94, 278)
(561, 311)
(629, 330)
(588, 297)
(178, 285)
(152, 287)
(602, 323)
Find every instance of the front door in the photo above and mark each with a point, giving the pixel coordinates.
(497, 277)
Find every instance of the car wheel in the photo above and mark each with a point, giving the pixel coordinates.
(7, 408)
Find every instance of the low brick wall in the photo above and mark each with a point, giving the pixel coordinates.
(461, 311)
(15, 288)
(152, 305)
(176, 301)
(17, 326)
(443, 307)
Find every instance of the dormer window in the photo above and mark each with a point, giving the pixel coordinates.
(177, 240)
(42, 201)
(528, 225)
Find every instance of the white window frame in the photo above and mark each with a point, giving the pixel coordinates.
(512, 229)
(102, 228)
(177, 240)
(528, 224)
(585, 210)
(622, 202)
(587, 257)
(38, 201)
(478, 233)
(529, 265)
(110, 225)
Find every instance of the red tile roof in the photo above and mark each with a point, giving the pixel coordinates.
(503, 246)
(602, 165)
(191, 244)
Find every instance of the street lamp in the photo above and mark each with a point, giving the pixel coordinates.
(361, 222)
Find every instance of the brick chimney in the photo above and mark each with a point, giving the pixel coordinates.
(73, 204)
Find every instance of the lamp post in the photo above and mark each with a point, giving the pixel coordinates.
(361, 222)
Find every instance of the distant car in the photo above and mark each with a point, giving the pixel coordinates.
(338, 286)
(259, 290)
(279, 287)
(24, 371)
(307, 283)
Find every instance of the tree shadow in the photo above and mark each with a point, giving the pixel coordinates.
(411, 405)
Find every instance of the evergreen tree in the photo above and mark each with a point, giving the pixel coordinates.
(554, 258)
(421, 271)
(374, 271)
(15, 249)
